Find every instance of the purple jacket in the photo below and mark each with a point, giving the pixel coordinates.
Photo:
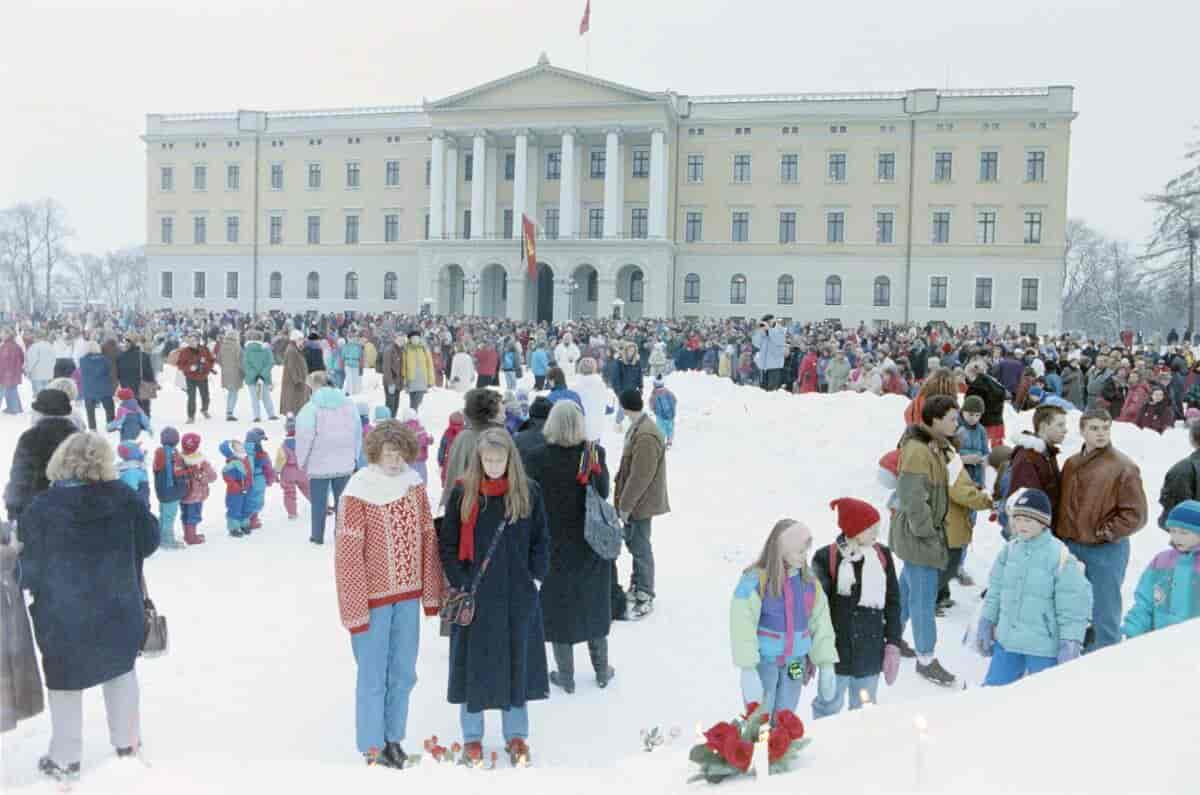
(1008, 372)
(328, 435)
(12, 363)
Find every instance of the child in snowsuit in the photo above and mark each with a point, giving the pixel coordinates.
(132, 470)
(663, 405)
(453, 429)
(859, 574)
(658, 359)
(238, 482)
(779, 624)
(199, 475)
(291, 476)
(1038, 601)
(263, 475)
(973, 443)
(420, 464)
(170, 484)
(131, 420)
(1169, 591)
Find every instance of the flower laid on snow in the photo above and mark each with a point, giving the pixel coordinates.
(728, 747)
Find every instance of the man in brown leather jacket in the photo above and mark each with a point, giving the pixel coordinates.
(1101, 504)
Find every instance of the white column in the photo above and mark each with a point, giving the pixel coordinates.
(520, 181)
(562, 300)
(533, 188)
(478, 182)
(491, 224)
(451, 214)
(613, 200)
(658, 184)
(568, 209)
(437, 187)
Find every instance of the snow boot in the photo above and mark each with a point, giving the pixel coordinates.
(65, 775)
(395, 754)
(518, 752)
(246, 527)
(934, 672)
(965, 579)
(231, 418)
(605, 676)
(598, 651)
(641, 604)
(567, 683)
(235, 532)
(190, 536)
(123, 753)
(376, 757)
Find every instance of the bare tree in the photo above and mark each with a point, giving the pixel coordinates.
(54, 232)
(85, 277)
(20, 254)
(1172, 247)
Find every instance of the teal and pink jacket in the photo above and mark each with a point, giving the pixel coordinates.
(1168, 593)
(780, 629)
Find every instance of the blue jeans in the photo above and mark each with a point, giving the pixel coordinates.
(510, 379)
(1104, 565)
(514, 722)
(231, 399)
(637, 539)
(1007, 667)
(667, 427)
(167, 511)
(387, 673)
(319, 489)
(855, 686)
(918, 597)
(779, 691)
(12, 400)
(257, 403)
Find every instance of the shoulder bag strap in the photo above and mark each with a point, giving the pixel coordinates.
(487, 559)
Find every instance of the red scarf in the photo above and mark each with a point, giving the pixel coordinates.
(466, 535)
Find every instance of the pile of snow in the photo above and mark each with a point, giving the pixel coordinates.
(258, 688)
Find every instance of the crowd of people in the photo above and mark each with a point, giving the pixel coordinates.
(507, 556)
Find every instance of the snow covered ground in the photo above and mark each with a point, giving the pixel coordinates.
(257, 691)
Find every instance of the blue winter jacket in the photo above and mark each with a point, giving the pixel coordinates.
(539, 362)
(1037, 596)
(84, 546)
(972, 440)
(626, 376)
(96, 377)
(1168, 593)
(664, 403)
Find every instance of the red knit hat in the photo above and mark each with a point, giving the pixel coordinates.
(124, 393)
(191, 443)
(854, 516)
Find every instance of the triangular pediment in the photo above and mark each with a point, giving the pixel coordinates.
(544, 85)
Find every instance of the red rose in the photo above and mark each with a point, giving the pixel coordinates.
(779, 744)
(719, 736)
(787, 720)
(740, 755)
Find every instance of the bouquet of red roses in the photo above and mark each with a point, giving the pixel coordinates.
(728, 747)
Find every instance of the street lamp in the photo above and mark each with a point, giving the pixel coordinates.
(569, 286)
(471, 284)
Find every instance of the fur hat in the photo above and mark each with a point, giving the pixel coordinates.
(382, 413)
(973, 403)
(169, 437)
(631, 400)
(52, 403)
(1032, 503)
(124, 393)
(854, 516)
(190, 443)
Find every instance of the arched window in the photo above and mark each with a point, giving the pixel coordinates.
(691, 289)
(314, 285)
(883, 291)
(737, 289)
(389, 286)
(637, 287)
(351, 286)
(276, 285)
(786, 291)
(833, 291)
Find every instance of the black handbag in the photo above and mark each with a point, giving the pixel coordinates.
(155, 637)
(601, 525)
(458, 606)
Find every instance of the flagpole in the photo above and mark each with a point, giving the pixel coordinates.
(587, 58)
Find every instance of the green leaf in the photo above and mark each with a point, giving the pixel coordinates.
(702, 754)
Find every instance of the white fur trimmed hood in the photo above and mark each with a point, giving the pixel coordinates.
(375, 486)
(1030, 441)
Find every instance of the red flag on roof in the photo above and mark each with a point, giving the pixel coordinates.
(529, 245)
(587, 16)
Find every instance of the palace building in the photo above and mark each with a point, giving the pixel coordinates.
(892, 206)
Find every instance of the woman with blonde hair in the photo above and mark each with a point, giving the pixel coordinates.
(85, 540)
(494, 542)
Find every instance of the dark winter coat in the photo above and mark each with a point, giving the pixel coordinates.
(96, 377)
(499, 661)
(861, 632)
(575, 594)
(1034, 465)
(314, 356)
(128, 372)
(27, 475)
(529, 436)
(1008, 373)
(1072, 380)
(626, 376)
(1156, 416)
(84, 547)
(1182, 482)
(992, 393)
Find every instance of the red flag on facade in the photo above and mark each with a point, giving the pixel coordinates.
(587, 15)
(529, 245)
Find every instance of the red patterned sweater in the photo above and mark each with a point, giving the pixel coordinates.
(386, 547)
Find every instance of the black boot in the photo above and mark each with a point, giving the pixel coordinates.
(598, 651)
(395, 754)
(564, 659)
(50, 769)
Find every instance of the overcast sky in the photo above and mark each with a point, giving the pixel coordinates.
(77, 78)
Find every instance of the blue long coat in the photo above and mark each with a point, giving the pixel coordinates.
(84, 547)
(499, 661)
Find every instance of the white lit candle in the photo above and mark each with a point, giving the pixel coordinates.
(762, 758)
